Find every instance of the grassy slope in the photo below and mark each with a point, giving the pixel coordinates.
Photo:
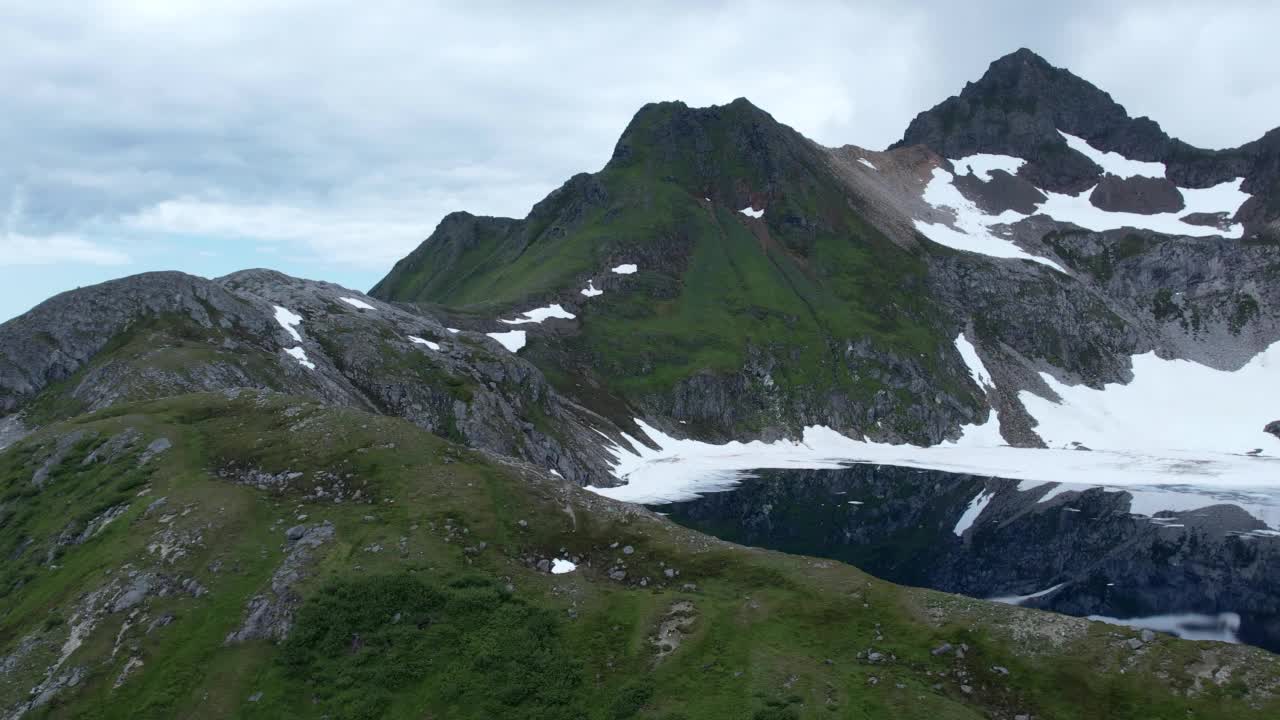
(427, 628)
(798, 285)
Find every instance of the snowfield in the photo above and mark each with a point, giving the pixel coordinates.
(751, 213)
(1169, 404)
(680, 470)
(1076, 209)
(625, 269)
(973, 227)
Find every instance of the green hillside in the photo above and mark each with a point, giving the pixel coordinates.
(807, 307)
(157, 579)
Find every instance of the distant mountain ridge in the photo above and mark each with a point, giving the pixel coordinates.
(784, 284)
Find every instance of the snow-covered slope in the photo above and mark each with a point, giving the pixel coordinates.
(977, 231)
(1169, 404)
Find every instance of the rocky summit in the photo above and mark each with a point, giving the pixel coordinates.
(1026, 353)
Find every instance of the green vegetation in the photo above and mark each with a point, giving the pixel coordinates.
(471, 649)
(427, 602)
(714, 290)
(1101, 264)
(1163, 308)
(1244, 309)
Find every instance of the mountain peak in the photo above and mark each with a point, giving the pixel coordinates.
(674, 120)
(1022, 57)
(1020, 106)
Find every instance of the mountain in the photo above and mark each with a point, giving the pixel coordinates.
(162, 334)
(779, 284)
(1022, 105)
(260, 495)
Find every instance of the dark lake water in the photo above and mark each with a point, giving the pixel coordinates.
(1213, 570)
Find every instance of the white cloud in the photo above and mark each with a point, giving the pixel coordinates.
(343, 135)
(1210, 86)
(53, 249)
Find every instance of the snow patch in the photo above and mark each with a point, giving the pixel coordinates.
(985, 435)
(982, 164)
(752, 213)
(590, 290)
(1019, 599)
(538, 315)
(562, 567)
(988, 433)
(867, 162)
(512, 341)
(1113, 163)
(977, 370)
(1168, 404)
(972, 231)
(357, 303)
(1223, 627)
(420, 341)
(971, 513)
(1079, 210)
(1059, 490)
(455, 331)
(973, 228)
(289, 321)
(301, 356)
(625, 269)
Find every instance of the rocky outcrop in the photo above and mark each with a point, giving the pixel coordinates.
(11, 430)
(61, 335)
(164, 334)
(269, 615)
(1142, 195)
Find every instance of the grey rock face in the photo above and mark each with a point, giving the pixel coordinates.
(61, 448)
(61, 335)
(157, 447)
(196, 335)
(269, 615)
(11, 430)
(1142, 195)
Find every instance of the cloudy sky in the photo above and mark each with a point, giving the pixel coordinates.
(326, 139)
